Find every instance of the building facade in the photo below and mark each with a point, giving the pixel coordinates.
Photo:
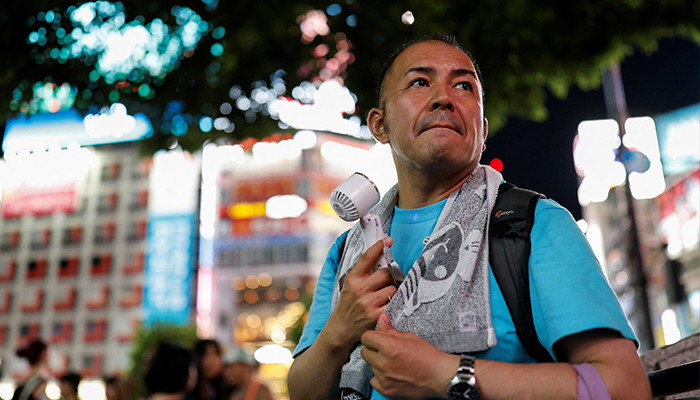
(266, 226)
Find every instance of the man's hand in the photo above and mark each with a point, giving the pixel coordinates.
(406, 366)
(316, 372)
(363, 297)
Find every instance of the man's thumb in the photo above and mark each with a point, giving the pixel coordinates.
(384, 323)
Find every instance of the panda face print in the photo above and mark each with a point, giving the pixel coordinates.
(445, 257)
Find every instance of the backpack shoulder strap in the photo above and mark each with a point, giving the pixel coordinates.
(512, 218)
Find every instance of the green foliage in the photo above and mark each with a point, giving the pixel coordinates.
(146, 340)
(527, 50)
(297, 329)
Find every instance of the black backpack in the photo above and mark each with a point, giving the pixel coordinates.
(512, 218)
(509, 254)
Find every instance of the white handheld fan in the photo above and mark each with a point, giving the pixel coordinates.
(352, 200)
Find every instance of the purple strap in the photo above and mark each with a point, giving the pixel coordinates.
(590, 383)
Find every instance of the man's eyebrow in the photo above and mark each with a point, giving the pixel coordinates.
(425, 70)
(429, 70)
(463, 71)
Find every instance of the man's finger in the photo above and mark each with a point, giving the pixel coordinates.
(369, 355)
(372, 340)
(384, 323)
(374, 382)
(367, 261)
(383, 295)
(379, 279)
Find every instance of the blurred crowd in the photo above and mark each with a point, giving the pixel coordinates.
(173, 372)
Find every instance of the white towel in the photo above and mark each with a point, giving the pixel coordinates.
(444, 298)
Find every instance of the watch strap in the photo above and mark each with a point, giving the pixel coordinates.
(463, 385)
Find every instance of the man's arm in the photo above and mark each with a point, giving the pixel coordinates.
(407, 366)
(315, 372)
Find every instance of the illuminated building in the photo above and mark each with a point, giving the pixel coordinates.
(81, 232)
(266, 226)
(662, 165)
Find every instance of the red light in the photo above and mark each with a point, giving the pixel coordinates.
(496, 164)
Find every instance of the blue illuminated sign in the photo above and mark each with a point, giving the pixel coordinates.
(169, 269)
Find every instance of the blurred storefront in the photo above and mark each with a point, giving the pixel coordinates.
(677, 222)
(266, 226)
(662, 167)
(84, 220)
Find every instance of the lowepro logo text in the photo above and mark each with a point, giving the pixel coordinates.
(502, 213)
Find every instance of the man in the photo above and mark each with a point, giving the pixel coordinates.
(69, 386)
(239, 376)
(114, 388)
(170, 373)
(450, 308)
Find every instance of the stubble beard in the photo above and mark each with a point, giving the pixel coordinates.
(439, 160)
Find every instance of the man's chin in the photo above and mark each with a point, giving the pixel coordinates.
(442, 164)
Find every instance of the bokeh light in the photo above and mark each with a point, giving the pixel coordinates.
(333, 9)
(252, 282)
(250, 297)
(238, 283)
(496, 164)
(206, 124)
(265, 279)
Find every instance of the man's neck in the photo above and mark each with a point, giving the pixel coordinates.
(416, 191)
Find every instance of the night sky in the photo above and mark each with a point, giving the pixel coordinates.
(539, 156)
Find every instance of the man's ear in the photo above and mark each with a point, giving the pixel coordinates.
(375, 122)
(486, 129)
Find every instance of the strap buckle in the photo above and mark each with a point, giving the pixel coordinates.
(510, 229)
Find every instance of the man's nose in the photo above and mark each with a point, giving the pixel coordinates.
(442, 99)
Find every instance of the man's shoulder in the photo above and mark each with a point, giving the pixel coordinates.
(336, 251)
(551, 211)
(545, 205)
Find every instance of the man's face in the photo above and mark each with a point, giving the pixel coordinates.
(111, 392)
(433, 116)
(237, 373)
(211, 363)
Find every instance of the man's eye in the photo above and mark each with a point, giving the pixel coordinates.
(419, 82)
(465, 85)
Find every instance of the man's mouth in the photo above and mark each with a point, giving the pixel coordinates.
(442, 120)
(443, 126)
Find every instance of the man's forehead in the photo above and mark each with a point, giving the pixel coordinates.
(432, 54)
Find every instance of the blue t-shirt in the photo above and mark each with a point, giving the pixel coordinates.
(568, 289)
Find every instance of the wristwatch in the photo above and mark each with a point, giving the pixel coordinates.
(463, 385)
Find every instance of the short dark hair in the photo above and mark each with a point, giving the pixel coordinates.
(169, 369)
(33, 351)
(111, 380)
(72, 379)
(200, 348)
(442, 37)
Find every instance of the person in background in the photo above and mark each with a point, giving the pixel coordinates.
(69, 386)
(34, 388)
(240, 377)
(113, 388)
(210, 364)
(170, 373)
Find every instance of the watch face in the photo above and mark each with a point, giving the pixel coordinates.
(463, 391)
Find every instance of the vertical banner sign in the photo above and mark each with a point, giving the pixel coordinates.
(169, 260)
(172, 219)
